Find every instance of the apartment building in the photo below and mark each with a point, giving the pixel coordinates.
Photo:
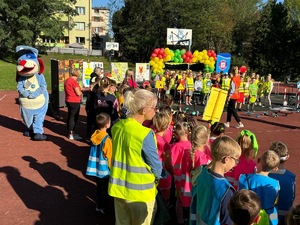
(100, 27)
(90, 25)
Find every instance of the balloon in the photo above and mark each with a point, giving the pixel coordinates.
(156, 50)
(153, 55)
(182, 51)
(243, 69)
(181, 60)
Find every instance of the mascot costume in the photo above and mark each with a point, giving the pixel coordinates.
(32, 88)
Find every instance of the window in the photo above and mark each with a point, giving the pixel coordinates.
(96, 30)
(96, 11)
(79, 26)
(80, 10)
(80, 40)
(101, 18)
(97, 19)
(66, 40)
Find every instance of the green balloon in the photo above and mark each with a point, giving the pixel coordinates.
(177, 51)
(182, 51)
(211, 70)
(176, 60)
(181, 60)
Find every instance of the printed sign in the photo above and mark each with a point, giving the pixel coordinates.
(142, 72)
(223, 62)
(112, 46)
(118, 71)
(88, 68)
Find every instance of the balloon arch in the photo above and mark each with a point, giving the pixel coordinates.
(160, 56)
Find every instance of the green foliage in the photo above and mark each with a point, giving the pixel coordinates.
(23, 21)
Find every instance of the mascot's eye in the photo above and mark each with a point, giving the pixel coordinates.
(32, 85)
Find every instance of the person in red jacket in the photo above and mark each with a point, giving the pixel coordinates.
(232, 98)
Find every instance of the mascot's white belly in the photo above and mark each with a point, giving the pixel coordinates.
(31, 84)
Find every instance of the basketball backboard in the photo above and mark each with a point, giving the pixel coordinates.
(177, 36)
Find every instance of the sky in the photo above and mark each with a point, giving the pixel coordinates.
(98, 3)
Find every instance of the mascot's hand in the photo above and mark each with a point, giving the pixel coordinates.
(35, 94)
(25, 94)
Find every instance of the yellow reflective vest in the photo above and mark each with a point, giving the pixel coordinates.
(130, 177)
(225, 84)
(190, 83)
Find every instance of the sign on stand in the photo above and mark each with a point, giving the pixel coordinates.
(112, 46)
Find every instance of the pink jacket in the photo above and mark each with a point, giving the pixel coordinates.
(245, 166)
(201, 158)
(162, 146)
(177, 151)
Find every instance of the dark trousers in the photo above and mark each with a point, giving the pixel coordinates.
(102, 192)
(231, 111)
(90, 123)
(73, 115)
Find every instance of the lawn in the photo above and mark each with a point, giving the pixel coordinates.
(8, 69)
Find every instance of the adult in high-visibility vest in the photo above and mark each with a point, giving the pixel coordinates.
(232, 97)
(135, 168)
(267, 90)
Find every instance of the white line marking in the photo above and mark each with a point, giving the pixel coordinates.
(2, 97)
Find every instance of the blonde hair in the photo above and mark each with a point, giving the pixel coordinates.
(199, 138)
(246, 144)
(181, 129)
(224, 146)
(269, 160)
(161, 121)
(142, 98)
(76, 72)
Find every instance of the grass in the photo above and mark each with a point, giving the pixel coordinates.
(8, 68)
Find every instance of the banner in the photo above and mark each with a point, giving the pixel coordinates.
(223, 62)
(88, 68)
(118, 71)
(142, 72)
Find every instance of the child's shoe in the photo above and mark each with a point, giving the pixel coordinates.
(239, 125)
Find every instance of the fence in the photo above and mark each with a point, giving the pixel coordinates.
(76, 51)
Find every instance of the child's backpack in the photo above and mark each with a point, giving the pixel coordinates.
(264, 218)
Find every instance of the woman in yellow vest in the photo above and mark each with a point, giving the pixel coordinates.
(135, 168)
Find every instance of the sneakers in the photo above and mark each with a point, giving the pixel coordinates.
(101, 210)
(227, 124)
(239, 125)
(74, 137)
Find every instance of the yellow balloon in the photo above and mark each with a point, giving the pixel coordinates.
(156, 59)
(155, 66)
(194, 60)
(211, 59)
(206, 62)
(168, 57)
(204, 52)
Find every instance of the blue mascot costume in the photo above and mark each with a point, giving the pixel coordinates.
(32, 88)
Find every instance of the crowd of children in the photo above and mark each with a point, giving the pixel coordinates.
(214, 178)
(195, 87)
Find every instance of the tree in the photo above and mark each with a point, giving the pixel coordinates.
(22, 22)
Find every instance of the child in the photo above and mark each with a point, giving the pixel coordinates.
(267, 188)
(191, 160)
(169, 132)
(100, 160)
(198, 89)
(189, 87)
(181, 132)
(286, 180)
(293, 217)
(247, 141)
(168, 99)
(267, 90)
(112, 87)
(216, 130)
(161, 122)
(211, 192)
(244, 207)
(253, 88)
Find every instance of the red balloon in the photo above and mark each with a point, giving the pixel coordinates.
(156, 50)
(153, 55)
(159, 56)
(184, 56)
(161, 51)
(164, 55)
(243, 69)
